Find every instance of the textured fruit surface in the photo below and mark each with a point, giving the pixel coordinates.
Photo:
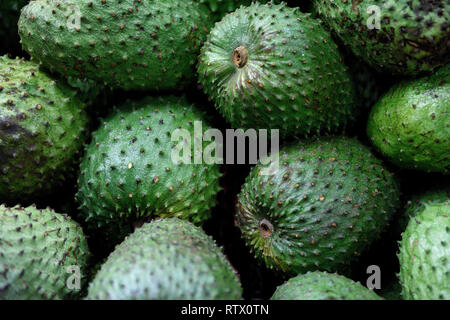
(322, 286)
(412, 36)
(424, 254)
(39, 249)
(128, 44)
(9, 16)
(271, 66)
(128, 172)
(166, 259)
(318, 208)
(42, 128)
(418, 202)
(410, 125)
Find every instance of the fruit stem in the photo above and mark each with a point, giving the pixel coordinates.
(265, 228)
(240, 57)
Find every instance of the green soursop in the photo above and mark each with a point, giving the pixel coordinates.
(124, 44)
(322, 286)
(316, 208)
(271, 66)
(424, 254)
(42, 129)
(40, 250)
(405, 37)
(167, 259)
(410, 124)
(128, 172)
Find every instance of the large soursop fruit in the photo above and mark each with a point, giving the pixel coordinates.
(42, 128)
(424, 254)
(318, 207)
(410, 125)
(168, 259)
(128, 172)
(40, 251)
(271, 66)
(127, 44)
(412, 36)
(322, 286)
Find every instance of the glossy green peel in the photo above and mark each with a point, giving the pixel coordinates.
(410, 125)
(167, 259)
(318, 208)
(271, 66)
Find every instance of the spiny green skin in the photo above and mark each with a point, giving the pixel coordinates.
(424, 254)
(410, 125)
(9, 16)
(124, 44)
(324, 204)
(294, 79)
(127, 172)
(418, 202)
(167, 259)
(42, 128)
(221, 7)
(323, 286)
(36, 249)
(413, 38)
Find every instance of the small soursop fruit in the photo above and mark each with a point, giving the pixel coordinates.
(424, 254)
(124, 44)
(39, 251)
(128, 172)
(410, 124)
(42, 129)
(167, 259)
(323, 286)
(271, 66)
(318, 207)
(412, 36)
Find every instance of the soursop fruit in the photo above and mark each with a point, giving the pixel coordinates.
(129, 172)
(402, 37)
(124, 44)
(42, 129)
(410, 124)
(271, 66)
(166, 259)
(9, 16)
(424, 254)
(39, 251)
(323, 286)
(317, 207)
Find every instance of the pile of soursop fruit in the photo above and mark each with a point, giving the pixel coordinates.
(93, 205)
